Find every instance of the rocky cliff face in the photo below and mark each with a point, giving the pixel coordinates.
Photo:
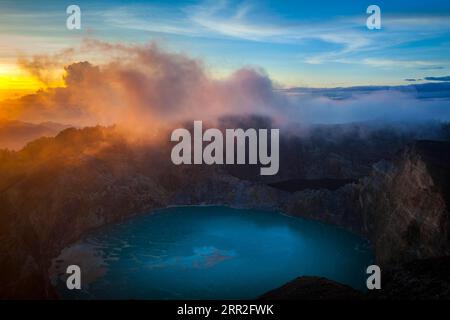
(54, 190)
(404, 204)
(402, 207)
(214, 186)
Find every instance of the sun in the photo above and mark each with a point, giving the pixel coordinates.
(16, 82)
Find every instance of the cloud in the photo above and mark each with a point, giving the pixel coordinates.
(224, 20)
(408, 103)
(143, 87)
(379, 106)
(336, 39)
(420, 91)
(319, 39)
(44, 67)
(396, 63)
(432, 68)
(446, 78)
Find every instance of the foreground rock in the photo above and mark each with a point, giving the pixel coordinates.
(313, 288)
(427, 279)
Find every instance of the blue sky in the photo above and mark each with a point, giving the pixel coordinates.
(298, 43)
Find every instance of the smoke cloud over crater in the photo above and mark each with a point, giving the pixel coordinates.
(142, 85)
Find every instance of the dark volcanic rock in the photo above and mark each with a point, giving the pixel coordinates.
(293, 185)
(403, 204)
(416, 280)
(427, 279)
(313, 288)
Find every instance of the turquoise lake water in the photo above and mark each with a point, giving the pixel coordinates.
(209, 253)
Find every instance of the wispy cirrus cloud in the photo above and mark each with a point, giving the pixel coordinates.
(347, 36)
(398, 63)
(220, 20)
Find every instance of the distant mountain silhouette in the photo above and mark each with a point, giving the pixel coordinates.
(15, 134)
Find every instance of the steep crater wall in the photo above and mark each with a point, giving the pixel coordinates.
(54, 190)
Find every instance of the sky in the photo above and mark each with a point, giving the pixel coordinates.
(297, 43)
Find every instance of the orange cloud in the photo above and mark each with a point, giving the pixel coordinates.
(141, 86)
